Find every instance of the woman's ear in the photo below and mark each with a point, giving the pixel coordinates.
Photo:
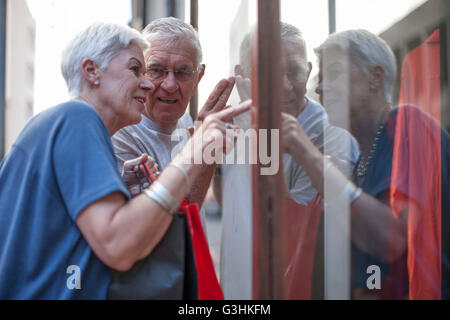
(90, 71)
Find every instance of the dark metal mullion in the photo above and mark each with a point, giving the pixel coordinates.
(268, 205)
(144, 13)
(3, 5)
(331, 16)
(193, 104)
(171, 8)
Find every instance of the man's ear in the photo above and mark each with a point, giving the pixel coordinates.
(202, 72)
(238, 70)
(376, 77)
(200, 75)
(309, 64)
(90, 71)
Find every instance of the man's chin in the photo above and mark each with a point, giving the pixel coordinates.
(292, 109)
(166, 122)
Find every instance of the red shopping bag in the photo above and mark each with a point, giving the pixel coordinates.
(302, 225)
(208, 285)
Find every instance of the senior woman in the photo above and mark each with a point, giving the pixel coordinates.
(173, 63)
(66, 219)
(397, 194)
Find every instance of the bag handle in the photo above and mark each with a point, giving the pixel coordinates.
(148, 173)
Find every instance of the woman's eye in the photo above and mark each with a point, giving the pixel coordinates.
(334, 72)
(333, 75)
(135, 69)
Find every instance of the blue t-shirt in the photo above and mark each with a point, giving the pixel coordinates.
(61, 162)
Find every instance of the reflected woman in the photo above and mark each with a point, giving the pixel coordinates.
(397, 186)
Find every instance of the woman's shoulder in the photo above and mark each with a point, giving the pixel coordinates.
(70, 116)
(73, 111)
(74, 108)
(409, 110)
(412, 115)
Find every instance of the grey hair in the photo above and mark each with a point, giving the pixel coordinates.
(367, 51)
(99, 42)
(289, 35)
(172, 31)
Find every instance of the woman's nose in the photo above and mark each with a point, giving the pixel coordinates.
(319, 88)
(147, 84)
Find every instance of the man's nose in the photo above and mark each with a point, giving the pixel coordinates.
(287, 85)
(170, 83)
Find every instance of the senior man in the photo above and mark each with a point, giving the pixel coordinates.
(313, 118)
(174, 66)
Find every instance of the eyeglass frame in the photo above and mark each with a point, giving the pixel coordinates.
(167, 70)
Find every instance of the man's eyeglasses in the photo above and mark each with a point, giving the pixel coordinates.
(181, 74)
(296, 74)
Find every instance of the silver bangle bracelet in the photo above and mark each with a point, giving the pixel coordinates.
(327, 166)
(358, 192)
(183, 171)
(158, 193)
(352, 192)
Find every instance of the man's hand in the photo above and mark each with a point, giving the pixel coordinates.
(130, 174)
(291, 132)
(244, 88)
(218, 98)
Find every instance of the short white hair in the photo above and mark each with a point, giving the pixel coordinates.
(172, 31)
(290, 35)
(366, 50)
(99, 42)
